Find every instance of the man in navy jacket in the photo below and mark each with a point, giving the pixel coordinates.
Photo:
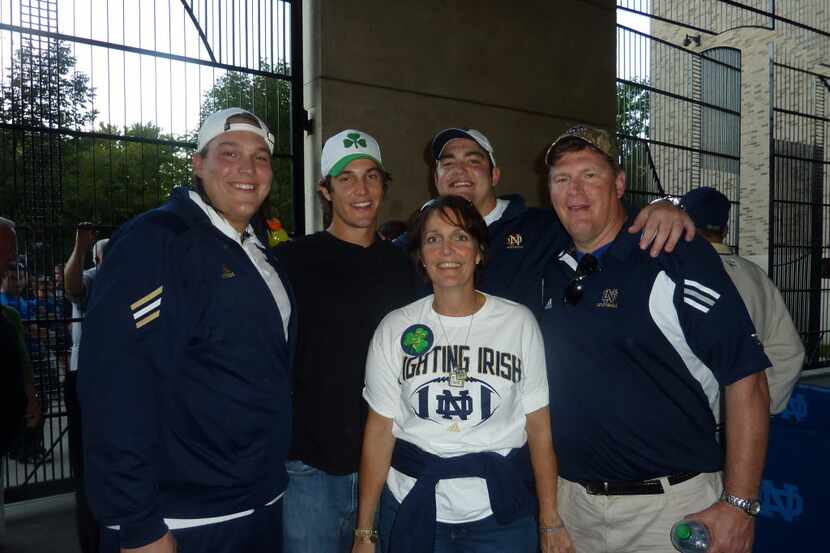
(184, 380)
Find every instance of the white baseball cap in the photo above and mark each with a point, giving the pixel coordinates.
(443, 137)
(345, 147)
(217, 123)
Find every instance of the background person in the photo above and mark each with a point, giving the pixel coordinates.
(15, 371)
(11, 270)
(709, 209)
(78, 287)
(13, 291)
(458, 428)
(185, 362)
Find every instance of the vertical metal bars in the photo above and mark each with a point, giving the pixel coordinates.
(800, 204)
(678, 118)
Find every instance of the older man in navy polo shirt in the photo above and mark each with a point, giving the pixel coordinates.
(639, 351)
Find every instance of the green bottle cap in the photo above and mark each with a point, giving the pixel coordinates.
(683, 532)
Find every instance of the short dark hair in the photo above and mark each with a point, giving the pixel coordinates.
(325, 182)
(437, 161)
(570, 145)
(456, 211)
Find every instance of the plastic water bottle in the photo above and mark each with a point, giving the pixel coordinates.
(688, 536)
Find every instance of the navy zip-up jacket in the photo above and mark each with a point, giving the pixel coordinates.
(520, 244)
(184, 377)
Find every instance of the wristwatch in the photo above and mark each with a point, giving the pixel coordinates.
(750, 506)
(676, 201)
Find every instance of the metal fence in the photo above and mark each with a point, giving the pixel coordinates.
(100, 103)
(678, 118)
(800, 204)
(690, 133)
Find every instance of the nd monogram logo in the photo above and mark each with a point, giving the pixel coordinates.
(785, 501)
(438, 403)
(796, 409)
(450, 406)
(514, 241)
(609, 298)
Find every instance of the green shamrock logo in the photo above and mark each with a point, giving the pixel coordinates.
(416, 339)
(354, 139)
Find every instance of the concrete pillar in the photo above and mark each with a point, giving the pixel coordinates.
(519, 72)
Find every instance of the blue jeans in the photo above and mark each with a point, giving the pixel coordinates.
(319, 510)
(482, 536)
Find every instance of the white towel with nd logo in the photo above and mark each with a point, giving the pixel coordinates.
(408, 379)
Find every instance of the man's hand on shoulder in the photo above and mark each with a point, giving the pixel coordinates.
(165, 544)
(731, 530)
(662, 225)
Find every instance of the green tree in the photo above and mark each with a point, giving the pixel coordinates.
(107, 175)
(113, 180)
(633, 131)
(633, 108)
(44, 90)
(270, 99)
(41, 94)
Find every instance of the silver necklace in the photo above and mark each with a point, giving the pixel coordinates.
(458, 375)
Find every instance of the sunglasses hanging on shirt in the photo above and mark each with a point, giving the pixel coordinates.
(587, 266)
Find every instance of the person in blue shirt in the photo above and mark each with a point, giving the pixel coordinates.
(639, 351)
(184, 366)
(12, 288)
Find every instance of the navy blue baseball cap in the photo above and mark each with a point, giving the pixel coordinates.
(708, 208)
(443, 137)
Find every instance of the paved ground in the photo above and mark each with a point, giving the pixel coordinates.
(41, 526)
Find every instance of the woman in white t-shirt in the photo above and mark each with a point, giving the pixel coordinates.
(458, 435)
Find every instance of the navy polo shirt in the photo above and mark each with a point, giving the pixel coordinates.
(635, 368)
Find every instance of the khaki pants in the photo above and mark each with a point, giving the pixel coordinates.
(633, 523)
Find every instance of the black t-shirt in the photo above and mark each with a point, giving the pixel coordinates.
(342, 292)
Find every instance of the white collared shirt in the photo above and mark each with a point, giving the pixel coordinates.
(497, 212)
(249, 242)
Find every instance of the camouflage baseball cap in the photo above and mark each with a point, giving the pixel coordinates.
(597, 138)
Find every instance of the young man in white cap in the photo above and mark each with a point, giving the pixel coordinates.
(78, 284)
(522, 238)
(184, 366)
(346, 279)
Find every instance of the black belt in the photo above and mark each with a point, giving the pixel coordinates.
(642, 487)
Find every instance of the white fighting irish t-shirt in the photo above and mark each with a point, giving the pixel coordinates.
(408, 380)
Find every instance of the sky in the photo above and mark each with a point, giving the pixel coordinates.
(633, 52)
(133, 87)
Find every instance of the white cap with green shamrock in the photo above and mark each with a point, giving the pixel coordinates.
(345, 147)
